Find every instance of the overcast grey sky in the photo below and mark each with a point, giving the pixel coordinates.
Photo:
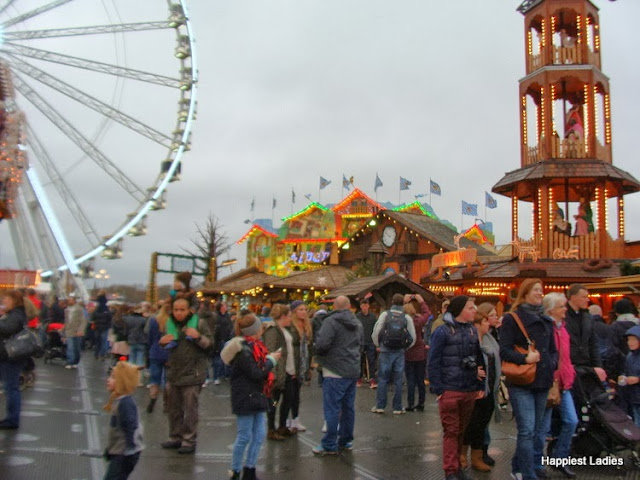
(294, 89)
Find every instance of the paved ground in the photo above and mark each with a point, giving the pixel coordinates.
(64, 427)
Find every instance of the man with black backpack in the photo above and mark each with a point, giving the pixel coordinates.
(393, 333)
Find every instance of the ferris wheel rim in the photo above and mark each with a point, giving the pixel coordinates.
(160, 185)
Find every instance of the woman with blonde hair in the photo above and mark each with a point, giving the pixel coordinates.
(304, 345)
(279, 337)
(529, 402)
(484, 407)
(158, 356)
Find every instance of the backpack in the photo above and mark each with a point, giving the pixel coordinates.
(394, 333)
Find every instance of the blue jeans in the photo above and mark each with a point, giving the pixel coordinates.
(569, 419)
(529, 408)
(136, 354)
(73, 350)
(370, 352)
(10, 374)
(157, 373)
(338, 402)
(218, 366)
(390, 363)
(635, 409)
(102, 343)
(251, 431)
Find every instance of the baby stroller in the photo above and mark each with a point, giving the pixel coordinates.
(54, 348)
(603, 427)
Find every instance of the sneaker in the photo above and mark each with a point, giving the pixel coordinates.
(373, 385)
(319, 450)
(216, 382)
(410, 409)
(295, 423)
(377, 410)
(324, 427)
(347, 447)
(420, 408)
(399, 412)
(68, 366)
(359, 383)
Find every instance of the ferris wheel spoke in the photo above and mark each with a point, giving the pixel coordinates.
(76, 137)
(34, 13)
(93, 30)
(92, 65)
(61, 187)
(89, 101)
(6, 4)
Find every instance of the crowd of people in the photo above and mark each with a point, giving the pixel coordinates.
(185, 345)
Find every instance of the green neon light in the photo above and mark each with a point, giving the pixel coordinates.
(305, 210)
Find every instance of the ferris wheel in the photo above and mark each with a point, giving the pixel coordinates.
(97, 100)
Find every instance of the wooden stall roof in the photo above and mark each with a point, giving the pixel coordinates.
(324, 278)
(623, 285)
(435, 231)
(239, 285)
(361, 286)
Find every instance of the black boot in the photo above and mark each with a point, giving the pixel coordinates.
(486, 458)
(152, 403)
(249, 473)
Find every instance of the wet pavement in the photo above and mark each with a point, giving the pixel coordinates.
(63, 430)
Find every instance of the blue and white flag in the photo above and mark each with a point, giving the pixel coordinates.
(404, 184)
(274, 203)
(293, 196)
(308, 196)
(324, 182)
(378, 183)
(345, 182)
(420, 195)
(489, 201)
(469, 208)
(253, 204)
(435, 188)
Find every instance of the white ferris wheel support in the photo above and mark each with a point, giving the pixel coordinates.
(39, 237)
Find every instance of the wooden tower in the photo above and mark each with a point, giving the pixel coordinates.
(566, 169)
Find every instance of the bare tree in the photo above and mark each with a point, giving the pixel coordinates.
(210, 242)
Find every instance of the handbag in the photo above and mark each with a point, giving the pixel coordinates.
(23, 344)
(554, 397)
(514, 373)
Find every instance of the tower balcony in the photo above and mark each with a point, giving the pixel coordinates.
(565, 148)
(559, 246)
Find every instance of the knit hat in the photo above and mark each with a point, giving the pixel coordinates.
(295, 304)
(624, 306)
(457, 305)
(184, 278)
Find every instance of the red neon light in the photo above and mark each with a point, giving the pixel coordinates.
(253, 229)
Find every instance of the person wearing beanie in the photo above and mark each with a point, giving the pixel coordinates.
(456, 376)
(626, 317)
(125, 431)
(303, 343)
(251, 382)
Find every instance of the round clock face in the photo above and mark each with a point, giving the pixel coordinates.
(388, 236)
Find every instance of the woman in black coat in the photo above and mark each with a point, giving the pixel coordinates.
(12, 322)
(251, 380)
(529, 402)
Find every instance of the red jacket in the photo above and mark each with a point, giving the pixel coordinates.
(417, 352)
(565, 374)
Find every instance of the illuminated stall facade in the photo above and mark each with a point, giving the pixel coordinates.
(308, 238)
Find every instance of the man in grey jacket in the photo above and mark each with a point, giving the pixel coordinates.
(75, 324)
(338, 347)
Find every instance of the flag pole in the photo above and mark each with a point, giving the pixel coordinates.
(430, 204)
